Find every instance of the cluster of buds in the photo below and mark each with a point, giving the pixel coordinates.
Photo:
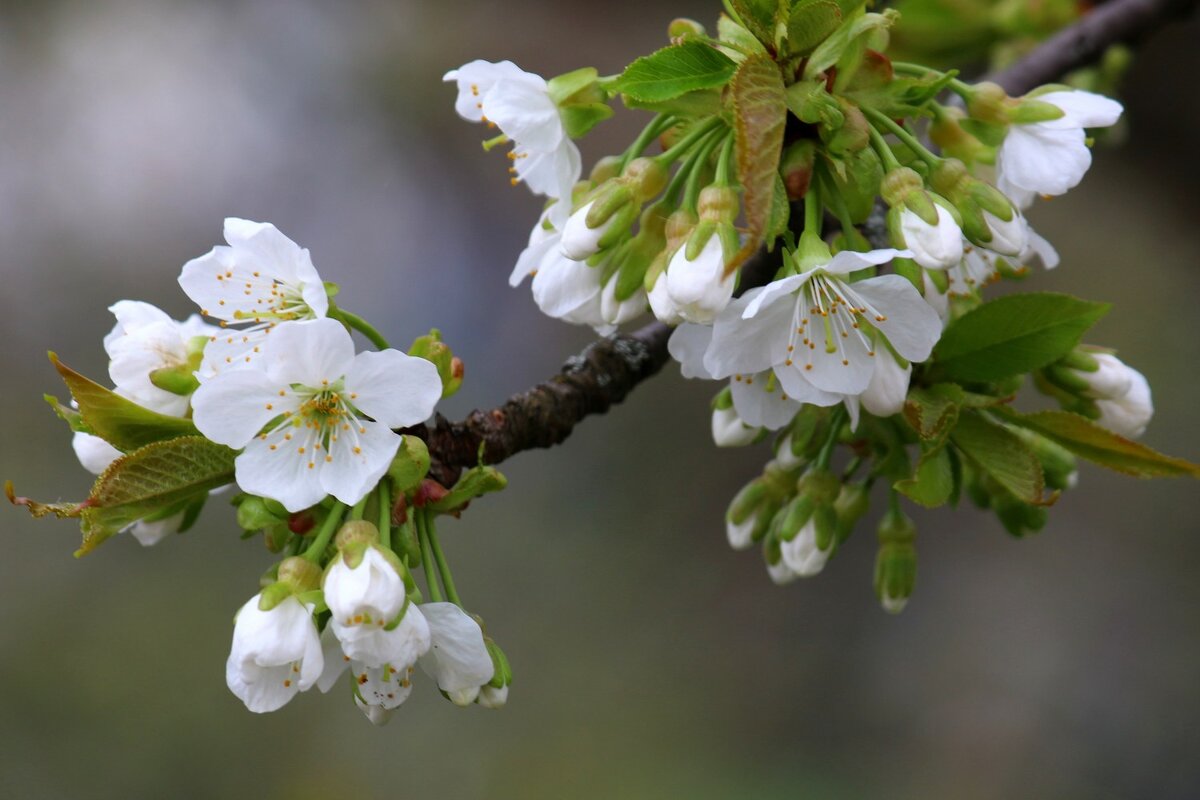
(1095, 383)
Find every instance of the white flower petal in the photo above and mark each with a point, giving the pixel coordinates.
(93, 453)
(759, 407)
(275, 468)
(314, 353)
(728, 429)
(888, 389)
(937, 246)
(360, 458)
(335, 661)
(371, 593)
(1083, 109)
(848, 261)
(457, 658)
(910, 325)
(232, 408)
(757, 299)
(394, 388)
(399, 647)
(687, 345)
(747, 345)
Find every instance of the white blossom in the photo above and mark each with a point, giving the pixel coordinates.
(144, 340)
(1122, 395)
(302, 420)
(261, 279)
(937, 246)
(888, 389)
(457, 658)
(1010, 237)
(580, 241)
(729, 430)
(817, 333)
(491, 697)
(275, 654)
(1051, 157)
(698, 288)
(802, 555)
(519, 103)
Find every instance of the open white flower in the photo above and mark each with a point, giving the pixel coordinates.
(758, 398)
(519, 103)
(377, 690)
(374, 645)
(1051, 157)
(262, 278)
(457, 658)
(371, 593)
(275, 654)
(146, 341)
(301, 421)
(817, 332)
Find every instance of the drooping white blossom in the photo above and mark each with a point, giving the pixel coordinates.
(302, 420)
(802, 554)
(937, 246)
(698, 288)
(817, 333)
(579, 241)
(275, 654)
(259, 280)
(144, 341)
(1051, 157)
(457, 658)
(888, 389)
(519, 104)
(729, 430)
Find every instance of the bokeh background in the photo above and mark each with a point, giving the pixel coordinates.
(650, 660)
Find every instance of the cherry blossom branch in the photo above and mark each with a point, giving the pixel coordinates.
(1080, 44)
(609, 369)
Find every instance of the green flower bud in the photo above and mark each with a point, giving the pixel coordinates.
(796, 167)
(410, 465)
(255, 513)
(605, 169)
(354, 532)
(990, 103)
(433, 349)
(851, 506)
(895, 561)
(299, 574)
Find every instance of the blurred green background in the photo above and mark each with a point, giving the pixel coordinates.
(650, 660)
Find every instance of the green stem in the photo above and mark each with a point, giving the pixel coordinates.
(317, 549)
(435, 591)
(813, 210)
(883, 150)
(836, 202)
(356, 513)
(725, 174)
(908, 68)
(443, 566)
(903, 135)
(825, 457)
(385, 513)
(359, 324)
(656, 126)
(691, 194)
(851, 468)
(697, 133)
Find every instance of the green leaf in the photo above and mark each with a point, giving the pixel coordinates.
(1013, 335)
(932, 482)
(1000, 454)
(674, 71)
(845, 38)
(67, 414)
(151, 479)
(764, 18)
(933, 411)
(1088, 440)
(122, 423)
(760, 112)
(697, 104)
(781, 210)
(742, 42)
(810, 23)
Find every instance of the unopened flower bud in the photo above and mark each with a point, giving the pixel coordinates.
(990, 103)
(581, 239)
(431, 348)
(728, 430)
(947, 133)
(796, 166)
(888, 389)
(851, 505)
(299, 574)
(645, 177)
(410, 465)
(255, 513)
(605, 169)
(1121, 394)
(895, 561)
(356, 532)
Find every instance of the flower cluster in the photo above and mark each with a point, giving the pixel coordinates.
(859, 322)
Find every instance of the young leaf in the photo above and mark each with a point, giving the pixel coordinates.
(932, 483)
(781, 210)
(933, 410)
(810, 22)
(1088, 440)
(673, 71)
(67, 414)
(844, 38)
(763, 18)
(38, 510)
(760, 111)
(150, 479)
(741, 41)
(700, 103)
(1013, 335)
(122, 423)
(1000, 454)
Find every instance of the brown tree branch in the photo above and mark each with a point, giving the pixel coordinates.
(609, 369)
(1080, 44)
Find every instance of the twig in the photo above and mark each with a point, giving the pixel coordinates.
(1080, 44)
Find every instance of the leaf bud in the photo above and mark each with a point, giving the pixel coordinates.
(682, 28)
(255, 513)
(796, 168)
(431, 348)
